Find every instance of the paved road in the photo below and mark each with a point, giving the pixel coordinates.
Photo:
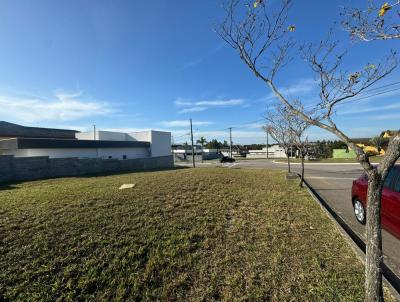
(333, 182)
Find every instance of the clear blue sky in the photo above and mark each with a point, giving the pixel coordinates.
(154, 64)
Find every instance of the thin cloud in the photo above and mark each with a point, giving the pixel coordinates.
(220, 103)
(393, 116)
(193, 109)
(371, 109)
(184, 123)
(197, 106)
(254, 125)
(61, 107)
(183, 102)
(200, 59)
(302, 87)
(192, 64)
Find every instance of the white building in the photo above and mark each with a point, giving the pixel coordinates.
(274, 151)
(23, 141)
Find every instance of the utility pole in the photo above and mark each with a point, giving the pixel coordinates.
(191, 136)
(94, 138)
(267, 144)
(230, 139)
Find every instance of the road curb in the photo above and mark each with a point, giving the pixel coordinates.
(392, 281)
(320, 163)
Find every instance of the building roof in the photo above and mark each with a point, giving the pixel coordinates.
(14, 130)
(46, 143)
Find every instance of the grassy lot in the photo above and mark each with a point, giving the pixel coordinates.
(373, 159)
(186, 235)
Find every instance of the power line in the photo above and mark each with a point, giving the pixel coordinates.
(369, 96)
(186, 134)
(359, 98)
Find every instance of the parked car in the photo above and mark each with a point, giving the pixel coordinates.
(226, 159)
(390, 211)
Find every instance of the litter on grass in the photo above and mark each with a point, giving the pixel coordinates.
(127, 186)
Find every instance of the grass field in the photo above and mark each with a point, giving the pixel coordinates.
(182, 235)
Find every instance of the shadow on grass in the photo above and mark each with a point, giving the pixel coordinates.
(110, 173)
(8, 186)
(12, 185)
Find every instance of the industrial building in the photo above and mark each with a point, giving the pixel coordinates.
(21, 141)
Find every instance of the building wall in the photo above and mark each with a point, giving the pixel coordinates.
(143, 136)
(274, 151)
(29, 168)
(160, 143)
(82, 152)
(104, 136)
(86, 135)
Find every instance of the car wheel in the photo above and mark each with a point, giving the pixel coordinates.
(359, 211)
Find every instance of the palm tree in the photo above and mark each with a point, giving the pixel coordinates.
(202, 141)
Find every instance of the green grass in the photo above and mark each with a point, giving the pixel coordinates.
(182, 235)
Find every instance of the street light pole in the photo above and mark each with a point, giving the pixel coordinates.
(191, 136)
(230, 145)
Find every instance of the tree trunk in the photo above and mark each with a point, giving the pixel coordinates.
(374, 255)
(288, 162)
(302, 171)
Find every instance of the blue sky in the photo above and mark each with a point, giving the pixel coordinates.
(132, 65)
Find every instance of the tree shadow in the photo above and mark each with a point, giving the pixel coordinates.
(8, 186)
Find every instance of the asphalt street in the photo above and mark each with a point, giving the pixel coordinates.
(333, 182)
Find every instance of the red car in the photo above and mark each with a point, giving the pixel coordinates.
(390, 211)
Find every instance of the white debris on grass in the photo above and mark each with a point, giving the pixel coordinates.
(127, 186)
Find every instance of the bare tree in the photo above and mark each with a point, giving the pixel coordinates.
(280, 130)
(379, 142)
(375, 22)
(260, 35)
(288, 130)
(298, 126)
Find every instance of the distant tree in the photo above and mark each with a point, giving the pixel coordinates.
(214, 144)
(202, 141)
(321, 149)
(254, 146)
(288, 129)
(278, 126)
(374, 22)
(225, 144)
(379, 142)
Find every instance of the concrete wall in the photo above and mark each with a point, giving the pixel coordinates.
(160, 143)
(29, 168)
(274, 151)
(119, 153)
(142, 136)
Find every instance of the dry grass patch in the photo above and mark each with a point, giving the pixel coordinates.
(186, 235)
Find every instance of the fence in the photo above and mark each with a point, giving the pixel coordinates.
(29, 168)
